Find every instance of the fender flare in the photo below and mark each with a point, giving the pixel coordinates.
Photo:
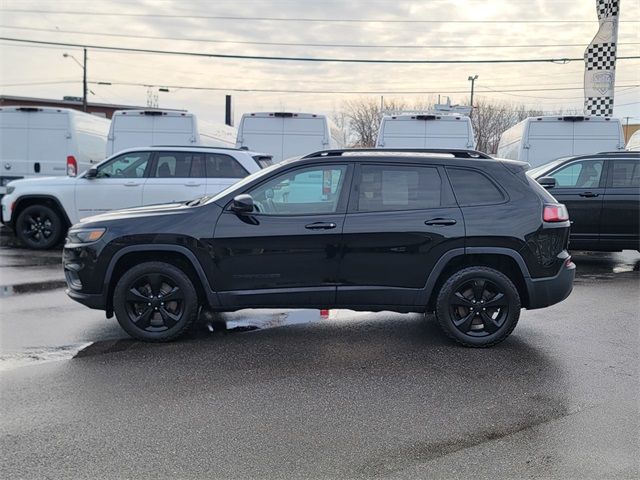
(37, 196)
(425, 294)
(212, 296)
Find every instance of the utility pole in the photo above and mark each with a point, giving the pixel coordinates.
(473, 81)
(84, 83)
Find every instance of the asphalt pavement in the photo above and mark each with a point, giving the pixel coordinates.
(354, 395)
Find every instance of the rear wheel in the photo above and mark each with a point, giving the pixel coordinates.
(39, 227)
(155, 302)
(478, 307)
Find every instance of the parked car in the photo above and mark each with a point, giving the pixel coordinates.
(602, 194)
(285, 134)
(634, 142)
(45, 141)
(538, 140)
(144, 128)
(404, 231)
(41, 210)
(425, 131)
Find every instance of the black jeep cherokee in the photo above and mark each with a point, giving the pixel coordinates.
(457, 233)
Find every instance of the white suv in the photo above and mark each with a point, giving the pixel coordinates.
(40, 210)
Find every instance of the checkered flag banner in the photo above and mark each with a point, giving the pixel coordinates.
(600, 61)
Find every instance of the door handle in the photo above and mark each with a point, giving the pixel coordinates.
(131, 184)
(589, 194)
(440, 221)
(192, 184)
(320, 226)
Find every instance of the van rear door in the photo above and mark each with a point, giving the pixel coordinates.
(547, 141)
(592, 136)
(49, 143)
(448, 134)
(302, 135)
(14, 145)
(403, 133)
(263, 134)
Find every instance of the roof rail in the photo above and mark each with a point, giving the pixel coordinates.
(457, 153)
(197, 146)
(616, 152)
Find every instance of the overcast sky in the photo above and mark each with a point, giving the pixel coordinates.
(31, 70)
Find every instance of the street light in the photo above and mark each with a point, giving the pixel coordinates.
(84, 76)
(473, 81)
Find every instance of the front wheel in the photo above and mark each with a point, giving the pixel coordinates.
(155, 302)
(39, 227)
(478, 307)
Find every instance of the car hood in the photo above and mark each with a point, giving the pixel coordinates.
(42, 182)
(139, 212)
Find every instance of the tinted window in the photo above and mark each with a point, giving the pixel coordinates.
(625, 174)
(305, 191)
(224, 166)
(473, 188)
(584, 174)
(388, 187)
(129, 165)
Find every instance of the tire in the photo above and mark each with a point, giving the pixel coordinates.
(478, 307)
(39, 227)
(155, 302)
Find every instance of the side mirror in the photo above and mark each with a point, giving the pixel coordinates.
(547, 182)
(91, 173)
(242, 204)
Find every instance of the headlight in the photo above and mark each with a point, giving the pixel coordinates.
(85, 236)
(10, 190)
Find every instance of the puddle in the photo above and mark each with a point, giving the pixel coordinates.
(10, 290)
(34, 356)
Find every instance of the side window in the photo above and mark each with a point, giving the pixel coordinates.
(224, 166)
(129, 165)
(473, 188)
(312, 190)
(585, 174)
(384, 188)
(178, 165)
(625, 174)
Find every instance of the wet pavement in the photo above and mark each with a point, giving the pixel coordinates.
(354, 395)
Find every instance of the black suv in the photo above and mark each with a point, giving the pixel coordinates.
(602, 193)
(458, 233)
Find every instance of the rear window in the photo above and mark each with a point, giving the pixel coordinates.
(625, 174)
(390, 188)
(473, 188)
(223, 166)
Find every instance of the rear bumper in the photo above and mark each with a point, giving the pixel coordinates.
(95, 301)
(544, 292)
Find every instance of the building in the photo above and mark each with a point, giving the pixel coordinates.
(101, 109)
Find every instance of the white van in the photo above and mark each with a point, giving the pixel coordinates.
(425, 131)
(634, 141)
(216, 134)
(47, 141)
(538, 140)
(284, 134)
(143, 128)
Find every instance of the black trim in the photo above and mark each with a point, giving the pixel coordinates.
(212, 297)
(19, 200)
(457, 153)
(95, 301)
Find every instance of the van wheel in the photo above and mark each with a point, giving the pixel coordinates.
(39, 227)
(478, 307)
(155, 302)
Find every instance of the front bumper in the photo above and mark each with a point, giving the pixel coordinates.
(544, 292)
(95, 301)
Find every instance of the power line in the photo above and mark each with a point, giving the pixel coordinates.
(294, 44)
(292, 19)
(349, 92)
(303, 59)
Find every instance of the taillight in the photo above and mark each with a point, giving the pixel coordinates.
(555, 213)
(72, 166)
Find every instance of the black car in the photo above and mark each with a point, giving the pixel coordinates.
(457, 233)
(602, 194)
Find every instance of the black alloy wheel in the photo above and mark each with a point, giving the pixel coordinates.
(478, 306)
(155, 301)
(39, 227)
